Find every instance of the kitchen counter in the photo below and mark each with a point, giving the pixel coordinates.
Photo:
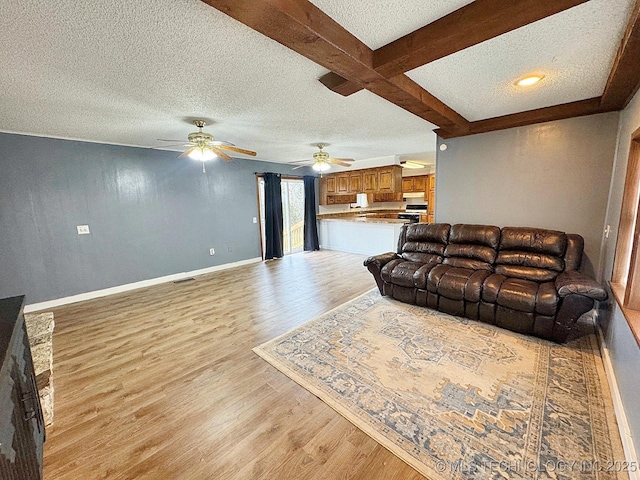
(363, 235)
(364, 219)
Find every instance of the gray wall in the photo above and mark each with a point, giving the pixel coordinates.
(623, 349)
(150, 214)
(553, 175)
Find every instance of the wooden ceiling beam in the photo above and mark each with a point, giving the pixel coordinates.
(580, 108)
(624, 78)
(470, 25)
(304, 28)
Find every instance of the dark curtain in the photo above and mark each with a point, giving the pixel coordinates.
(310, 225)
(273, 216)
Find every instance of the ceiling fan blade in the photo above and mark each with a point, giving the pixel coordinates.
(187, 152)
(172, 145)
(239, 150)
(165, 140)
(343, 159)
(218, 143)
(299, 166)
(221, 154)
(335, 161)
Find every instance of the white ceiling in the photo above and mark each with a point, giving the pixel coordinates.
(133, 72)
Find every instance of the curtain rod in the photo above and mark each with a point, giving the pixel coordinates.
(286, 175)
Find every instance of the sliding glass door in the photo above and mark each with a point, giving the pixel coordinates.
(292, 214)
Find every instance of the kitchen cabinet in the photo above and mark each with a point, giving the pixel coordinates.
(342, 183)
(370, 180)
(390, 179)
(418, 184)
(381, 184)
(355, 182)
(431, 198)
(331, 183)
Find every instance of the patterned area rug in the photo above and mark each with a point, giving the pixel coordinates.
(455, 398)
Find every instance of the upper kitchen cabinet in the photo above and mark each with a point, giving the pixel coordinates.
(416, 184)
(355, 182)
(370, 180)
(330, 183)
(390, 179)
(342, 182)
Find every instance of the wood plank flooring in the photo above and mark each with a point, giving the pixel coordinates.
(161, 382)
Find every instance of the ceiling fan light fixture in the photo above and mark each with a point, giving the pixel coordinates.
(528, 81)
(321, 167)
(202, 154)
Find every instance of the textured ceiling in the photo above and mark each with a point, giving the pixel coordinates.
(132, 72)
(574, 49)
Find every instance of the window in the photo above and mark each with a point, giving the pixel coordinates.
(625, 280)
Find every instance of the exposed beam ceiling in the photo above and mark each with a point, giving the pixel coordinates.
(624, 78)
(304, 28)
(474, 23)
(548, 114)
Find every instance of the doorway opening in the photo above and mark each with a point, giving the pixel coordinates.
(292, 190)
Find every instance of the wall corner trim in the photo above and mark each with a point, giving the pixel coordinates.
(621, 417)
(133, 286)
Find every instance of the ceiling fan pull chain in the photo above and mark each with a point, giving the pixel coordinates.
(203, 169)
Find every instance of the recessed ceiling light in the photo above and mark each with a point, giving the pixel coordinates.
(528, 80)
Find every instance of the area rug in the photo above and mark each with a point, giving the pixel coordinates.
(456, 398)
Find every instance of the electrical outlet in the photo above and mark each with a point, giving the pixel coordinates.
(229, 249)
(255, 219)
(212, 251)
(83, 229)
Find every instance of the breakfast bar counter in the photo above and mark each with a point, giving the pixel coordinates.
(360, 234)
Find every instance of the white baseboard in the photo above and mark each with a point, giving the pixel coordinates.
(133, 286)
(621, 417)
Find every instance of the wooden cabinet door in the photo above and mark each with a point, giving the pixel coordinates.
(407, 184)
(419, 183)
(385, 180)
(390, 179)
(331, 183)
(342, 182)
(432, 202)
(370, 180)
(355, 182)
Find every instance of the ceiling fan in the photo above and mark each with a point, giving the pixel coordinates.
(203, 147)
(322, 162)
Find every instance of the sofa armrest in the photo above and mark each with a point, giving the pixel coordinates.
(573, 282)
(379, 261)
(374, 265)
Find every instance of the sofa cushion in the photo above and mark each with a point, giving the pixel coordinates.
(457, 283)
(531, 253)
(472, 246)
(425, 243)
(534, 240)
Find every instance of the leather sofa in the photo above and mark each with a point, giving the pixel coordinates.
(524, 279)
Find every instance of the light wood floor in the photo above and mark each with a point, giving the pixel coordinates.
(161, 382)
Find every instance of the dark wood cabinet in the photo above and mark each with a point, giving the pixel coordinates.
(330, 182)
(381, 184)
(370, 180)
(355, 182)
(416, 184)
(21, 422)
(390, 179)
(342, 183)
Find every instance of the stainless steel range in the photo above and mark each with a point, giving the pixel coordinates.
(413, 211)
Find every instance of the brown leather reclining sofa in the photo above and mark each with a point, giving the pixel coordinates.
(522, 279)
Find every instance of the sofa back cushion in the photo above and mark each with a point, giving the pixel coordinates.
(531, 253)
(425, 242)
(472, 246)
